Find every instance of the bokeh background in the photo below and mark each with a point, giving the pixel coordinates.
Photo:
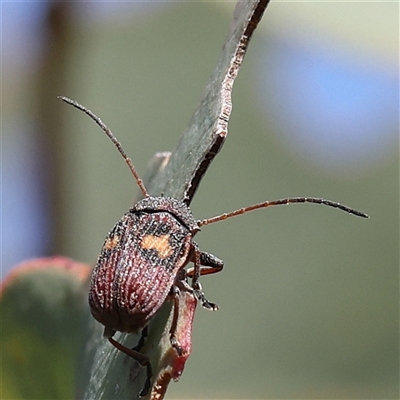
(309, 296)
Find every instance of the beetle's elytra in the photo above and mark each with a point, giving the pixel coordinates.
(139, 263)
(143, 259)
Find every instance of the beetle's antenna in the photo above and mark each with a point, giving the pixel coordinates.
(282, 202)
(117, 144)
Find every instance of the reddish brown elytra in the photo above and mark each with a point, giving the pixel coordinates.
(143, 258)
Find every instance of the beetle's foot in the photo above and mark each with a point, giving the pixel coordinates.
(204, 302)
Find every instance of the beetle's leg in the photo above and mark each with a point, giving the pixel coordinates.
(213, 263)
(204, 264)
(172, 332)
(140, 358)
(206, 269)
(207, 264)
(142, 339)
(198, 291)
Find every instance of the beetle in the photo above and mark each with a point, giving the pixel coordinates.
(143, 259)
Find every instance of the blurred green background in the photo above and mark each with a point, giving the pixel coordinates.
(309, 296)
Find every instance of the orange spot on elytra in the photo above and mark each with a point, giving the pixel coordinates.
(159, 243)
(111, 243)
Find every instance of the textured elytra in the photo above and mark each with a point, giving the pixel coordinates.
(138, 265)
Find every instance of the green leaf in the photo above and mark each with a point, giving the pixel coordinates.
(208, 128)
(43, 314)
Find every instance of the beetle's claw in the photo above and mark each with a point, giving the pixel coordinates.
(210, 306)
